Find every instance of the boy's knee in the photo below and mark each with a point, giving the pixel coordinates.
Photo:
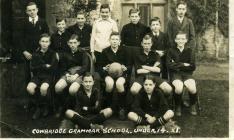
(136, 87)
(168, 115)
(132, 115)
(109, 84)
(31, 88)
(120, 84)
(74, 88)
(107, 112)
(166, 88)
(178, 86)
(44, 89)
(69, 113)
(191, 86)
(60, 85)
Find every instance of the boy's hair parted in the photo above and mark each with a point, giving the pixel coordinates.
(150, 77)
(155, 19)
(114, 33)
(44, 35)
(147, 37)
(31, 3)
(134, 10)
(74, 36)
(81, 12)
(182, 33)
(105, 6)
(87, 74)
(59, 19)
(181, 2)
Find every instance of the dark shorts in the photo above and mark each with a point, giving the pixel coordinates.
(181, 76)
(150, 113)
(39, 80)
(140, 79)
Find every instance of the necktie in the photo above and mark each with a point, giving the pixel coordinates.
(33, 21)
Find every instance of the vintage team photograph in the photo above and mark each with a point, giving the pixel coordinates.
(114, 69)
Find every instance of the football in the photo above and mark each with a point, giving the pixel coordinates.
(115, 70)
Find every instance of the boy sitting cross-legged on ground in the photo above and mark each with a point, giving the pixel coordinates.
(87, 106)
(150, 107)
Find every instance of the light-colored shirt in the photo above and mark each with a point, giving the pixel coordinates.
(101, 32)
(35, 19)
(180, 19)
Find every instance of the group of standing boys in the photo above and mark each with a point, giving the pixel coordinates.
(162, 65)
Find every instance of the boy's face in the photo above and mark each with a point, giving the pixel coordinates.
(181, 39)
(88, 82)
(32, 11)
(105, 12)
(134, 18)
(81, 19)
(61, 25)
(181, 10)
(44, 42)
(146, 44)
(115, 41)
(73, 44)
(149, 86)
(155, 26)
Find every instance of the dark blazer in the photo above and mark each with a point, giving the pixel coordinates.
(174, 26)
(132, 34)
(84, 34)
(39, 61)
(175, 60)
(59, 42)
(159, 42)
(30, 34)
(156, 106)
(77, 59)
(94, 103)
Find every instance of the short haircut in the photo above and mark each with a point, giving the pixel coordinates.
(31, 3)
(59, 19)
(181, 2)
(81, 13)
(182, 33)
(87, 74)
(105, 6)
(114, 33)
(44, 35)
(74, 36)
(150, 77)
(147, 37)
(131, 11)
(155, 19)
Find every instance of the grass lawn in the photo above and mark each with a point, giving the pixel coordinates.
(212, 81)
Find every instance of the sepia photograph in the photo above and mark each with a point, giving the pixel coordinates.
(116, 69)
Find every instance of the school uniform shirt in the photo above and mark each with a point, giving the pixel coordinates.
(59, 41)
(84, 34)
(92, 101)
(176, 58)
(159, 41)
(120, 56)
(39, 61)
(140, 58)
(156, 105)
(174, 26)
(132, 34)
(30, 33)
(101, 32)
(70, 60)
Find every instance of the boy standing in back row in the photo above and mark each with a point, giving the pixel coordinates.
(181, 23)
(101, 32)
